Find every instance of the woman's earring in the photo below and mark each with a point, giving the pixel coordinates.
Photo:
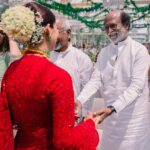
(48, 37)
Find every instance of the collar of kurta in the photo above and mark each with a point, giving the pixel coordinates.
(118, 49)
(66, 51)
(125, 42)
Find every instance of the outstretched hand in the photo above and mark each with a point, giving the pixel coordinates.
(99, 116)
(95, 118)
(103, 113)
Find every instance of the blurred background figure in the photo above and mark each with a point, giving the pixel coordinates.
(9, 52)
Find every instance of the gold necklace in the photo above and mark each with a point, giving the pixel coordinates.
(31, 51)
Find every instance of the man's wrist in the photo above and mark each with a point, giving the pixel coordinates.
(112, 109)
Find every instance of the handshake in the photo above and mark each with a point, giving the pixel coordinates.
(97, 117)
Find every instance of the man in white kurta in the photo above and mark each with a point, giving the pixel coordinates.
(121, 75)
(74, 61)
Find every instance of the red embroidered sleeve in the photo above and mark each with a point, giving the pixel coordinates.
(6, 133)
(65, 135)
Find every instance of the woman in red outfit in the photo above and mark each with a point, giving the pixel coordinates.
(37, 96)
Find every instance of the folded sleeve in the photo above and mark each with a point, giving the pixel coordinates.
(65, 134)
(93, 85)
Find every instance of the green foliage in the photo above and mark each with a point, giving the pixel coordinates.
(93, 21)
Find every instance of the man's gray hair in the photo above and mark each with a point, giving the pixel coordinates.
(66, 25)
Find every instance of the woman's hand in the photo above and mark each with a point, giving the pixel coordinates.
(96, 118)
(103, 113)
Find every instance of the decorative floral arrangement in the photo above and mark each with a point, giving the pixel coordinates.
(37, 34)
(19, 23)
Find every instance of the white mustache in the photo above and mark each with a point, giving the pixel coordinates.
(58, 46)
(113, 34)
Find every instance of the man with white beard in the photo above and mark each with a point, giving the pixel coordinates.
(73, 60)
(122, 76)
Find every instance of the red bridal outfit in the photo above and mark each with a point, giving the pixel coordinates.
(39, 98)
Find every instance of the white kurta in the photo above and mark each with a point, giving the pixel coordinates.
(121, 74)
(79, 66)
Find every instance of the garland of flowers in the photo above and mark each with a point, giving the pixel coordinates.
(23, 25)
(19, 23)
(78, 13)
(95, 9)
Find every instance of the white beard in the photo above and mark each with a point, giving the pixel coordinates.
(58, 46)
(119, 37)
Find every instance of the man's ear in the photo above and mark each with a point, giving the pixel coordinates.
(126, 26)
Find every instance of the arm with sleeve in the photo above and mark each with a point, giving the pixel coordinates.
(85, 69)
(92, 86)
(65, 134)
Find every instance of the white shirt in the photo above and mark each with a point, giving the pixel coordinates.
(149, 61)
(121, 75)
(77, 64)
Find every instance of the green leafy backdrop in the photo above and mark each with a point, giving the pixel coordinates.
(97, 12)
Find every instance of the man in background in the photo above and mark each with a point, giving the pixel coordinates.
(73, 60)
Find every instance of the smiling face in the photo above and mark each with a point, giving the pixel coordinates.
(114, 28)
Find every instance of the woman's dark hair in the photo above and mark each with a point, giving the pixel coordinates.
(4, 46)
(125, 19)
(46, 13)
